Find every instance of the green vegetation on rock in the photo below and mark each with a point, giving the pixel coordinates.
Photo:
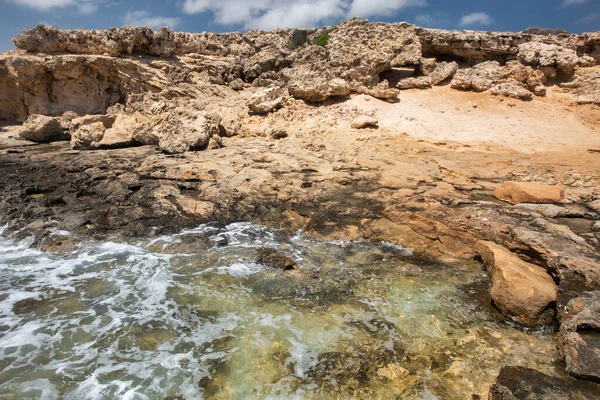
(323, 38)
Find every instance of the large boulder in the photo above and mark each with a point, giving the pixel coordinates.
(179, 136)
(266, 100)
(521, 290)
(122, 131)
(44, 129)
(528, 384)
(479, 78)
(529, 192)
(579, 336)
(539, 54)
(511, 89)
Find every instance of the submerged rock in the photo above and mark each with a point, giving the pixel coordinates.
(523, 291)
(272, 258)
(520, 383)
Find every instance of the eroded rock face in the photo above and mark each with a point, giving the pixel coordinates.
(43, 129)
(529, 192)
(523, 291)
(579, 337)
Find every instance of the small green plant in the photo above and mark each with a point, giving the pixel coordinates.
(323, 38)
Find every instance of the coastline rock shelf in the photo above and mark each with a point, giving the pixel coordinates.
(472, 151)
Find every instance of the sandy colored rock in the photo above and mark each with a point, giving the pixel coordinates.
(266, 100)
(122, 131)
(44, 129)
(364, 121)
(85, 136)
(511, 89)
(522, 291)
(529, 192)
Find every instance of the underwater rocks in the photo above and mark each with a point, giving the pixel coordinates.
(520, 383)
(521, 290)
(272, 258)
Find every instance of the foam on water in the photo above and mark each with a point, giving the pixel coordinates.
(116, 320)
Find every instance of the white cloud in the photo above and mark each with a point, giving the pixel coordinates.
(370, 8)
(269, 14)
(588, 19)
(144, 18)
(437, 19)
(84, 6)
(478, 18)
(567, 3)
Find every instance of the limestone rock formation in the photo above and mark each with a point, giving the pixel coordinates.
(579, 337)
(512, 90)
(523, 291)
(266, 100)
(43, 129)
(529, 192)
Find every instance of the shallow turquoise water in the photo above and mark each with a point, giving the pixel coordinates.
(193, 316)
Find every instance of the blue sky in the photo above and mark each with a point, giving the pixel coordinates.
(241, 15)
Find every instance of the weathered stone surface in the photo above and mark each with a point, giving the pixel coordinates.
(579, 337)
(43, 129)
(520, 383)
(529, 192)
(122, 131)
(87, 135)
(266, 100)
(189, 134)
(364, 121)
(479, 78)
(511, 89)
(548, 55)
(523, 291)
(274, 259)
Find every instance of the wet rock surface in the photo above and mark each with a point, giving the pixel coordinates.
(528, 384)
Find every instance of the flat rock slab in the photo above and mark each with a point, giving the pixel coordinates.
(529, 192)
(519, 383)
(521, 290)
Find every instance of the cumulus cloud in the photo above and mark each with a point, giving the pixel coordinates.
(567, 3)
(84, 6)
(144, 18)
(478, 18)
(269, 14)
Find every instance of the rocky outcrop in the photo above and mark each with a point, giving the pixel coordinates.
(266, 100)
(521, 290)
(579, 337)
(43, 129)
(529, 192)
(475, 47)
(526, 383)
